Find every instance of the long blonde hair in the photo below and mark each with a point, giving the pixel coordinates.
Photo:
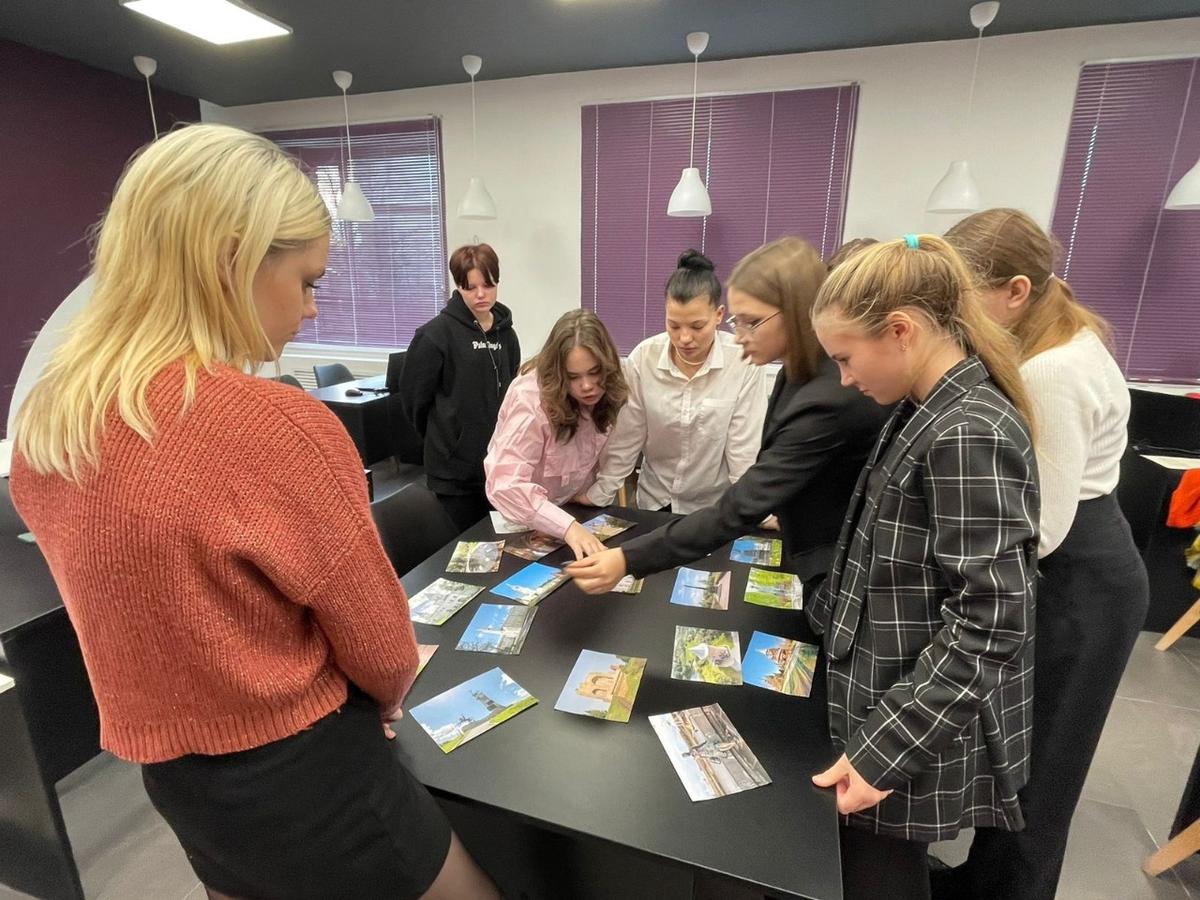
(932, 282)
(193, 217)
(787, 274)
(1000, 244)
(578, 328)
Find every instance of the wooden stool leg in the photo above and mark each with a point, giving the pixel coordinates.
(1180, 628)
(1174, 851)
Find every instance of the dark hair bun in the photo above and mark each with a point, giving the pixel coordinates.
(694, 259)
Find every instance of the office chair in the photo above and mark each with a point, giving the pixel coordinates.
(289, 379)
(331, 374)
(412, 525)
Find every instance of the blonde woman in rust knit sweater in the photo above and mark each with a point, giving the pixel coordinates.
(210, 534)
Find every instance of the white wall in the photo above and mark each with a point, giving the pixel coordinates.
(911, 123)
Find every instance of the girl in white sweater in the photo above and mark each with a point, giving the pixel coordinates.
(1092, 591)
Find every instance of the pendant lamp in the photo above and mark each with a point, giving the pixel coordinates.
(353, 206)
(148, 67)
(690, 197)
(1186, 193)
(957, 192)
(476, 203)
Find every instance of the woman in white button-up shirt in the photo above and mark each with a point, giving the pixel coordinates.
(696, 407)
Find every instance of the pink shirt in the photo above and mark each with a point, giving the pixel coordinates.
(528, 472)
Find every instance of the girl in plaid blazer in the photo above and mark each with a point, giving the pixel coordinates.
(927, 614)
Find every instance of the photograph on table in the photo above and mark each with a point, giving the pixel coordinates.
(436, 603)
(501, 525)
(628, 585)
(497, 628)
(705, 654)
(706, 590)
(473, 707)
(779, 664)
(531, 584)
(602, 685)
(531, 545)
(424, 654)
(476, 557)
(781, 590)
(757, 551)
(605, 526)
(709, 756)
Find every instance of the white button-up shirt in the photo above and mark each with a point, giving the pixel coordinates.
(698, 435)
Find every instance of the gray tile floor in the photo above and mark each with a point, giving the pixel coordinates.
(126, 852)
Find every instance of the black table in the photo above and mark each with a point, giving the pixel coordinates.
(49, 723)
(374, 420)
(540, 798)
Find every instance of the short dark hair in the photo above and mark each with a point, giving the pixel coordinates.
(475, 256)
(695, 277)
(847, 250)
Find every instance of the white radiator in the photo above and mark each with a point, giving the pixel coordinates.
(298, 361)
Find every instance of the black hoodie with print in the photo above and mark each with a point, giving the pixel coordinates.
(454, 378)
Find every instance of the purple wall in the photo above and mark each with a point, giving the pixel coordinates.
(68, 130)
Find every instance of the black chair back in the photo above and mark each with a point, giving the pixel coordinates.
(331, 374)
(290, 380)
(413, 526)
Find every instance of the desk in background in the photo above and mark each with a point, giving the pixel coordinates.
(556, 805)
(375, 421)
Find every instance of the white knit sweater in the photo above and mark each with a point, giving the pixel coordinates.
(1082, 408)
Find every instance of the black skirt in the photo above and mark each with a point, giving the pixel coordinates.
(326, 813)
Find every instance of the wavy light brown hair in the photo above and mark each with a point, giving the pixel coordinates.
(578, 328)
(1000, 244)
(787, 274)
(933, 283)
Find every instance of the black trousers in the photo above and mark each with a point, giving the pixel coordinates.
(465, 509)
(1092, 597)
(883, 868)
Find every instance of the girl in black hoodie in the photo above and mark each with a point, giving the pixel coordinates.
(458, 367)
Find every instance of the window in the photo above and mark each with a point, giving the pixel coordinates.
(385, 278)
(1135, 132)
(775, 164)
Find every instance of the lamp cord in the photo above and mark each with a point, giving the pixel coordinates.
(974, 74)
(695, 82)
(153, 118)
(474, 145)
(349, 151)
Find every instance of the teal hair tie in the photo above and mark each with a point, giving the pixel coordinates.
(914, 242)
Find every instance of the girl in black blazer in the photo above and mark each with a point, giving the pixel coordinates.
(815, 439)
(927, 613)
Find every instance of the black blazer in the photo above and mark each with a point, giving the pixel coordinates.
(815, 440)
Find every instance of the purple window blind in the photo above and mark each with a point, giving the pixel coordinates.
(387, 277)
(775, 164)
(1135, 132)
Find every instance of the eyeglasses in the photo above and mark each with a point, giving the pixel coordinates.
(739, 327)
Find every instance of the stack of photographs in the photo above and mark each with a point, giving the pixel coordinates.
(709, 756)
(440, 600)
(497, 628)
(464, 712)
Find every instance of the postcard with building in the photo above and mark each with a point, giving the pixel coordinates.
(628, 585)
(707, 590)
(781, 590)
(605, 526)
(602, 685)
(424, 654)
(531, 545)
(705, 654)
(501, 525)
(497, 628)
(440, 600)
(709, 756)
(464, 712)
(757, 551)
(476, 557)
(779, 664)
(531, 584)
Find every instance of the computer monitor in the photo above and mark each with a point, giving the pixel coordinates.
(394, 369)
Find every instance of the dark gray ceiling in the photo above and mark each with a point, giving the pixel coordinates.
(393, 44)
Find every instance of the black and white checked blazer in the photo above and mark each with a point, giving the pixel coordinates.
(927, 614)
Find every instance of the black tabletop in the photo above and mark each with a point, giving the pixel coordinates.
(336, 393)
(613, 781)
(27, 592)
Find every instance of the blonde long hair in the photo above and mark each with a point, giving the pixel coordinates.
(933, 282)
(1000, 244)
(578, 328)
(193, 217)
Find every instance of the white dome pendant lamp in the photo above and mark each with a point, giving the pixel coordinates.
(476, 203)
(353, 206)
(957, 192)
(690, 197)
(148, 67)
(1186, 193)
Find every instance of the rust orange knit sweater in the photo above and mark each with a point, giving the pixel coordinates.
(226, 579)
